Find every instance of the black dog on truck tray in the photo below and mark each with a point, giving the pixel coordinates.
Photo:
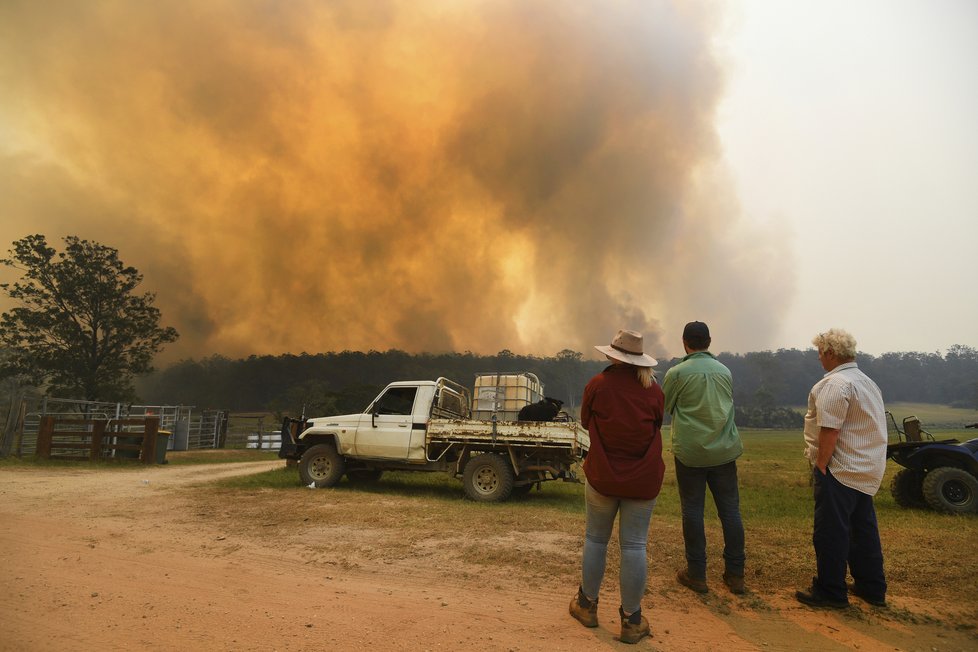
(544, 410)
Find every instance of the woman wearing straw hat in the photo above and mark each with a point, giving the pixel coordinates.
(622, 409)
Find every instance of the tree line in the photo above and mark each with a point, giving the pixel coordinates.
(767, 384)
(82, 329)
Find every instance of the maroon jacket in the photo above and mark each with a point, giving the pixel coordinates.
(623, 419)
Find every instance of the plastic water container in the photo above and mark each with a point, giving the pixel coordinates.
(504, 394)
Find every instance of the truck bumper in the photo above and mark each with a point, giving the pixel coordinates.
(290, 448)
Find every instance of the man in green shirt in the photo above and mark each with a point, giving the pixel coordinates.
(706, 445)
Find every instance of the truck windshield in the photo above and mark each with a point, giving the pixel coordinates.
(396, 400)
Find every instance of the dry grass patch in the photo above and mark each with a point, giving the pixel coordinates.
(421, 524)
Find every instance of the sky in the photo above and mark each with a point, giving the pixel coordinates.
(851, 127)
(496, 174)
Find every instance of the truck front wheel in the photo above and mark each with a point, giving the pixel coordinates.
(322, 465)
(488, 478)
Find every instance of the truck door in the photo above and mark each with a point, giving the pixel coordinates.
(388, 433)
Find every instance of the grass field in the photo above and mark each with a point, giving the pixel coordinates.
(931, 415)
(934, 416)
(928, 555)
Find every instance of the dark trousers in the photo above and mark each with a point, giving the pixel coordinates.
(722, 481)
(845, 533)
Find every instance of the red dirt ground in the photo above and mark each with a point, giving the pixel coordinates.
(119, 559)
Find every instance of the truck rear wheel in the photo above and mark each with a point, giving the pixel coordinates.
(322, 465)
(488, 478)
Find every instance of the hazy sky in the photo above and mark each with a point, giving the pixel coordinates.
(850, 128)
(440, 175)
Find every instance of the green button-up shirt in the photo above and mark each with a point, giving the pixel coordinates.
(699, 396)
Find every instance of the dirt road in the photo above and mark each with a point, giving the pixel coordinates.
(132, 559)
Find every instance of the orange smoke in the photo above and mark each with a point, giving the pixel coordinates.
(430, 176)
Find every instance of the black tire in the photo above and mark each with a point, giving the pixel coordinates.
(906, 488)
(363, 476)
(952, 490)
(488, 478)
(321, 465)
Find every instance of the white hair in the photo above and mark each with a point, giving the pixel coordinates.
(838, 342)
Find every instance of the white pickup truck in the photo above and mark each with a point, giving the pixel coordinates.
(427, 426)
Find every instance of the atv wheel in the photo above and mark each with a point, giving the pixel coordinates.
(907, 490)
(321, 465)
(950, 489)
(488, 478)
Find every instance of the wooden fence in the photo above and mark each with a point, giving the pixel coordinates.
(98, 439)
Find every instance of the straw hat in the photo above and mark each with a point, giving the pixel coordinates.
(627, 347)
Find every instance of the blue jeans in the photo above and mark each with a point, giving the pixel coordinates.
(845, 533)
(633, 536)
(722, 480)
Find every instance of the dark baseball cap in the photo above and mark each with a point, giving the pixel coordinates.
(696, 330)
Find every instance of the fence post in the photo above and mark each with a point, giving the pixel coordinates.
(98, 434)
(44, 435)
(222, 429)
(10, 429)
(21, 417)
(150, 426)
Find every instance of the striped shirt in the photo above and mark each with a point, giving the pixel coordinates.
(847, 400)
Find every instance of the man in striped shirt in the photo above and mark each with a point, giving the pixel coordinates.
(845, 440)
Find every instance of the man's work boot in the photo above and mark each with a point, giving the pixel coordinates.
(734, 582)
(633, 628)
(697, 585)
(813, 597)
(584, 609)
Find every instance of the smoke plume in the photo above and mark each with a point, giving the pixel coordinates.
(423, 175)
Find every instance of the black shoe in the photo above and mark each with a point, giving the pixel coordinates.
(814, 598)
(874, 600)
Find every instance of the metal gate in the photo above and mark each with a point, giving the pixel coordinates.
(188, 430)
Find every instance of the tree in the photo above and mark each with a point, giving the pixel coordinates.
(80, 329)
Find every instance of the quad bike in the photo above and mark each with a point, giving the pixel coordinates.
(941, 474)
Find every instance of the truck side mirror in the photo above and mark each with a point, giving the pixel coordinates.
(373, 416)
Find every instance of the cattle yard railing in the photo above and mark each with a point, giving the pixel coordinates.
(98, 439)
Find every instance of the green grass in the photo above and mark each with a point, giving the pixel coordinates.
(176, 458)
(932, 416)
(222, 456)
(929, 556)
(408, 513)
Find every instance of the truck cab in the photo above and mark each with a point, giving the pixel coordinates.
(393, 426)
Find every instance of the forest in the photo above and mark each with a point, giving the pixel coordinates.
(767, 384)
